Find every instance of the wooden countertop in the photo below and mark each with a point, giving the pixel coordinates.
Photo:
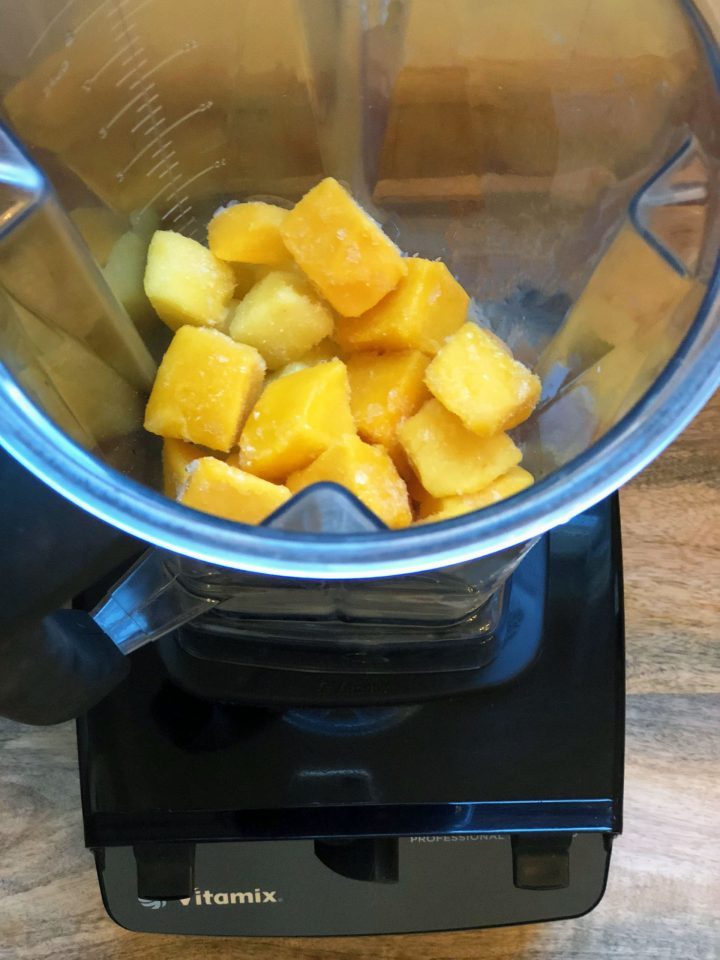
(663, 898)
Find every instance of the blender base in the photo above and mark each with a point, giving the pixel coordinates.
(484, 808)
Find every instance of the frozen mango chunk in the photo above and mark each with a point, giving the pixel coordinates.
(214, 486)
(365, 470)
(295, 420)
(341, 249)
(177, 455)
(249, 233)
(204, 389)
(185, 282)
(282, 318)
(448, 458)
(385, 389)
(475, 376)
(515, 480)
(425, 308)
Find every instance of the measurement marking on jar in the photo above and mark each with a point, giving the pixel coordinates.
(87, 84)
(184, 226)
(48, 27)
(163, 134)
(131, 13)
(182, 213)
(130, 72)
(148, 103)
(162, 148)
(55, 80)
(153, 126)
(161, 161)
(212, 166)
(169, 169)
(93, 13)
(174, 207)
(159, 193)
(120, 28)
(186, 48)
(103, 131)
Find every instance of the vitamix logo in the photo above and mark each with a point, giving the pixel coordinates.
(223, 898)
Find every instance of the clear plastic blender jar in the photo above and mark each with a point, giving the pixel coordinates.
(561, 158)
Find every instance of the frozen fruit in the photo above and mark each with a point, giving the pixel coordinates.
(282, 318)
(295, 420)
(448, 458)
(249, 233)
(204, 388)
(177, 455)
(365, 470)
(185, 282)
(442, 508)
(341, 249)
(214, 486)
(475, 376)
(425, 308)
(385, 389)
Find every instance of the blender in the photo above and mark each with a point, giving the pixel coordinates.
(317, 725)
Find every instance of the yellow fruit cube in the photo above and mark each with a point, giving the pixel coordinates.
(214, 486)
(177, 455)
(295, 420)
(515, 480)
(341, 248)
(204, 388)
(385, 389)
(185, 282)
(448, 458)
(249, 233)
(366, 471)
(282, 318)
(475, 376)
(427, 306)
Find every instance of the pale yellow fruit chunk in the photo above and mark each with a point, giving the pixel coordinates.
(475, 377)
(448, 458)
(282, 318)
(365, 470)
(185, 282)
(204, 389)
(214, 486)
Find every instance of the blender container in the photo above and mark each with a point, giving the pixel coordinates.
(561, 158)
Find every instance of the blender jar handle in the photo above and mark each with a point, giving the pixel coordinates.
(148, 602)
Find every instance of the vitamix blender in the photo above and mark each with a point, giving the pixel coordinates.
(339, 728)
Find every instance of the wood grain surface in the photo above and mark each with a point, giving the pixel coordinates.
(663, 898)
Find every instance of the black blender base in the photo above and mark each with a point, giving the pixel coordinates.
(442, 882)
(490, 807)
